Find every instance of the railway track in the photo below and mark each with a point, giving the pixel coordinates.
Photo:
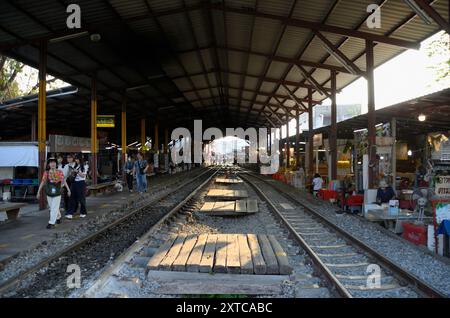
(48, 277)
(345, 261)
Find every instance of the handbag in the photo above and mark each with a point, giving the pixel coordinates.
(53, 189)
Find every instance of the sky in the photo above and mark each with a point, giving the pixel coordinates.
(405, 77)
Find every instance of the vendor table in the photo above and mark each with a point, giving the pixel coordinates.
(391, 221)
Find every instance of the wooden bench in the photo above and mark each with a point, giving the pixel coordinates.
(101, 187)
(11, 209)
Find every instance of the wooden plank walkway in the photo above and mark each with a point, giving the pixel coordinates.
(228, 181)
(227, 194)
(230, 208)
(222, 253)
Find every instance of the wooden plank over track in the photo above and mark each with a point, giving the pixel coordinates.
(222, 253)
(228, 180)
(230, 208)
(227, 194)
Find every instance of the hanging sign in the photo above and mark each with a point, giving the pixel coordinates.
(317, 140)
(105, 121)
(60, 143)
(442, 186)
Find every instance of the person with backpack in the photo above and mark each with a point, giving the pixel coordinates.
(53, 180)
(140, 171)
(78, 189)
(128, 170)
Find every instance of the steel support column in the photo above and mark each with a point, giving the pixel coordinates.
(33, 133)
(42, 116)
(394, 151)
(297, 138)
(310, 135)
(156, 143)
(143, 140)
(333, 131)
(371, 111)
(94, 149)
(124, 133)
(286, 146)
(166, 140)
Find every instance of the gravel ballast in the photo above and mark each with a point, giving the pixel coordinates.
(418, 262)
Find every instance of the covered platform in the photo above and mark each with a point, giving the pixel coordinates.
(161, 80)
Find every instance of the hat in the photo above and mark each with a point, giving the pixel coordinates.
(52, 158)
(383, 184)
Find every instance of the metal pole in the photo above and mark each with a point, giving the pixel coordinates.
(42, 120)
(124, 133)
(156, 138)
(142, 133)
(34, 120)
(310, 135)
(166, 140)
(371, 111)
(94, 149)
(286, 147)
(333, 133)
(394, 151)
(297, 138)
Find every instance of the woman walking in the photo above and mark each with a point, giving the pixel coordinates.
(78, 188)
(53, 180)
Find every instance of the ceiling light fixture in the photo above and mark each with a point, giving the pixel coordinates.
(422, 117)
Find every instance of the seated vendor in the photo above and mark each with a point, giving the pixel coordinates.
(385, 192)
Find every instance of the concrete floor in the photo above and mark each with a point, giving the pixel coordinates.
(30, 228)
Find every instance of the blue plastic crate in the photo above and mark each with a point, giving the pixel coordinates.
(27, 181)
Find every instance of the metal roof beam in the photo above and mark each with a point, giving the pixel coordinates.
(248, 90)
(434, 15)
(339, 56)
(321, 27)
(265, 79)
(298, 102)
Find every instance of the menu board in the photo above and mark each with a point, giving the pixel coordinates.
(442, 186)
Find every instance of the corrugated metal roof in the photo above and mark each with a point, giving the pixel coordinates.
(158, 47)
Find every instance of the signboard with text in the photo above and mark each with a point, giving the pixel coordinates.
(61, 143)
(442, 186)
(105, 121)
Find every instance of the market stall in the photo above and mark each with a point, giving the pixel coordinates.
(18, 170)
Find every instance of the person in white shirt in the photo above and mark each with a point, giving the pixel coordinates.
(78, 189)
(317, 183)
(70, 178)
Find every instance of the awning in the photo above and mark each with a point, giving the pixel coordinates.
(18, 154)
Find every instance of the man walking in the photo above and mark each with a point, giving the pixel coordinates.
(140, 171)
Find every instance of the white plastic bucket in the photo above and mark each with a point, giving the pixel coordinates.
(6, 196)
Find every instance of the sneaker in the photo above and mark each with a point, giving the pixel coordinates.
(58, 221)
(69, 216)
(50, 226)
(83, 215)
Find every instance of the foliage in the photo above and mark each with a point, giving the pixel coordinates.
(17, 79)
(9, 69)
(437, 49)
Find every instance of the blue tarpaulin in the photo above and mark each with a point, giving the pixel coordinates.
(444, 227)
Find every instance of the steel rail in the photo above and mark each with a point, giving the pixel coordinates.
(13, 281)
(138, 244)
(331, 278)
(420, 285)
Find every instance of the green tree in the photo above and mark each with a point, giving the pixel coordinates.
(439, 50)
(9, 69)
